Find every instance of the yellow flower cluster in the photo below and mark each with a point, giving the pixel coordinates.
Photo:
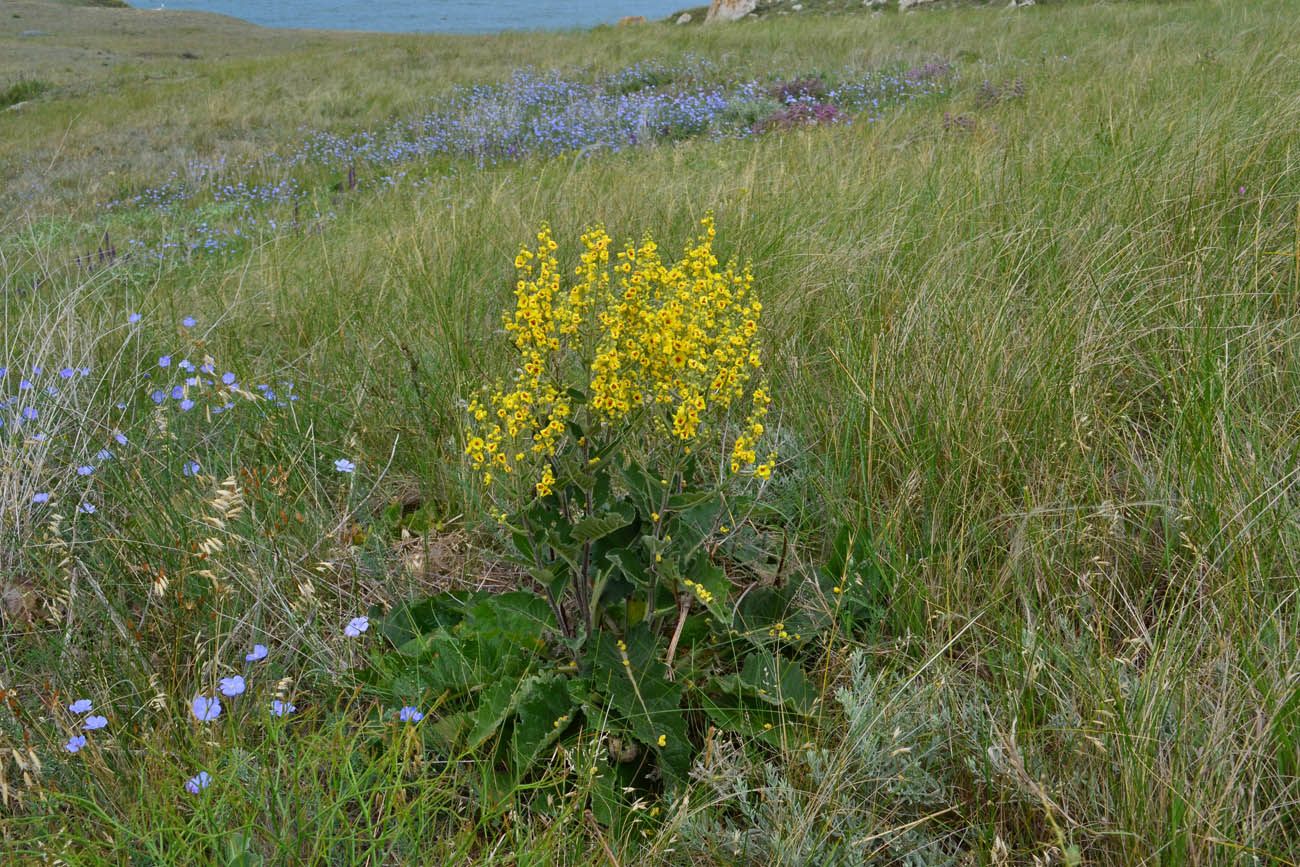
(701, 591)
(681, 336)
(679, 342)
(530, 417)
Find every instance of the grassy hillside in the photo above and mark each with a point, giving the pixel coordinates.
(1030, 330)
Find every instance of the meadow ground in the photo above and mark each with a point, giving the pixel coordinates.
(1030, 282)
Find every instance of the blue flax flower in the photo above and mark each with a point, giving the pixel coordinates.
(232, 686)
(282, 708)
(81, 705)
(95, 722)
(259, 652)
(205, 709)
(410, 714)
(75, 743)
(198, 782)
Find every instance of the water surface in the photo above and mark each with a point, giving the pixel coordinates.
(429, 16)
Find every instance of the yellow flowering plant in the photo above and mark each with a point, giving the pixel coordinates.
(624, 446)
(635, 410)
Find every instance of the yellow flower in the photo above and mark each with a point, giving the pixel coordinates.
(663, 740)
(601, 340)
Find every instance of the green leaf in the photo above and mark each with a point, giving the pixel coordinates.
(607, 803)
(643, 697)
(714, 580)
(544, 713)
(519, 616)
(644, 490)
(854, 582)
(445, 731)
(772, 680)
(630, 565)
(745, 718)
(496, 704)
(765, 612)
(442, 611)
(690, 528)
(689, 499)
(598, 526)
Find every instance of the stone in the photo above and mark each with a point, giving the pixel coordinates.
(904, 5)
(29, 33)
(798, 7)
(729, 10)
(684, 18)
(632, 19)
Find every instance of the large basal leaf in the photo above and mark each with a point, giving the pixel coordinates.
(630, 565)
(769, 616)
(540, 707)
(479, 639)
(643, 698)
(690, 528)
(494, 706)
(545, 711)
(746, 717)
(771, 680)
(854, 582)
(442, 611)
(519, 617)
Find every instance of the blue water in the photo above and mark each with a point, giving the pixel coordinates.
(429, 16)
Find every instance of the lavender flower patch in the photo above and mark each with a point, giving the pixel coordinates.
(222, 205)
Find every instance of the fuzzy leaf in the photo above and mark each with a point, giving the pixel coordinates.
(544, 713)
(595, 527)
(643, 697)
(772, 680)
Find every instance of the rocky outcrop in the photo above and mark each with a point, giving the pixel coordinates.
(729, 10)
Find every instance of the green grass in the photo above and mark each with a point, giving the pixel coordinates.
(21, 91)
(1047, 360)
